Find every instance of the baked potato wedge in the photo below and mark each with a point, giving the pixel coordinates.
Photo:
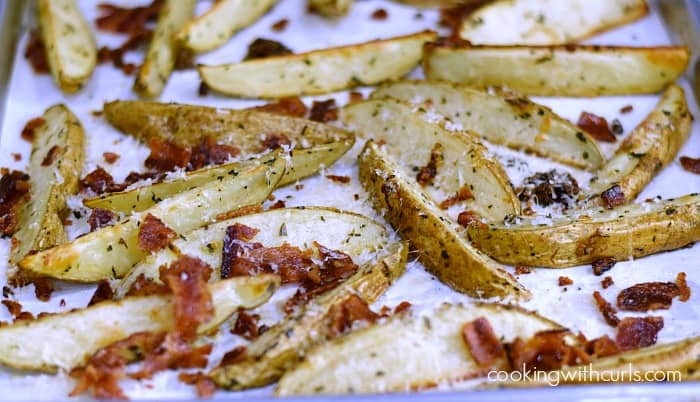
(213, 28)
(412, 137)
(162, 51)
(566, 70)
(330, 8)
(548, 22)
(55, 164)
(443, 3)
(70, 45)
(406, 352)
(189, 124)
(300, 164)
(111, 251)
(584, 236)
(67, 340)
(320, 71)
(503, 118)
(359, 237)
(281, 347)
(443, 249)
(651, 146)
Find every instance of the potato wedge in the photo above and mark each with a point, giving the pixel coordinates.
(548, 22)
(330, 8)
(111, 251)
(584, 236)
(443, 250)
(301, 163)
(569, 70)
(67, 340)
(356, 235)
(189, 124)
(281, 347)
(503, 118)
(55, 164)
(443, 3)
(410, 136)
(651, 146)
(320, 71)
(162, 51)
(213, 28)
(70, 46)
(406, 352)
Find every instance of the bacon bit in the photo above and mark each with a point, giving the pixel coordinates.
(596, 126)
(234, 246)
(482, 342)
(280, 25)
(13, 307)
(262, 48)
(184, 59)
(154, 235)
(116, 55)
(99, 181)
(50, 156)
(691, 165)
(522, 270)
(134, 177)
(545, 351)
(452, 17)
(29, 129)
(546, 188)
(638, 332)
(203, 89)
(7, 291)
(467, 218)
(43, 288)
(607, 282)
(463, 194)
(246, 325)
(110, 157)
(233, 356)
(35, 53)
(274, 141)
(380, 14)
(626, 109)
(17, 157)
(613, 197)
(683, 289)
(100, 217)
(204, 386)
(166, 156)
(298, 186)
(648, 296)
(125, 20)
(609, 312)
(289, 106)
(603, 265)
(427, 173)
(209, 152)
(145, 287)
(401, 307)
(278, 205)
(14, 192)
(602, 347)
(565, 281)
(345, 314)
(324, 111)
(103, 292)
(338, 179)
(354, 97)
(242, 211)
(97, 113)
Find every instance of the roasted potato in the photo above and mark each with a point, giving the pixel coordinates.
(213, 28)
(584, 236)
(548, 22)
(111, 251)
(503, 118)
(281, 347)
(320, 71)
(67, 340)
(55, 164)
(70, 46)
(567, 70)
(162, 51)
(406, 352)
(330, 8)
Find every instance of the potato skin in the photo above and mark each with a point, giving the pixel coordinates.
(443, 250)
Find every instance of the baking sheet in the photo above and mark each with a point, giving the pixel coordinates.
(28, 95)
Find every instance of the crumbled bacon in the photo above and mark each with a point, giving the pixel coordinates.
(324, 111)
(125, 20)
(280, 25)
(209, 152)
(355, 97)
(204, 385)
(30, 128)
(638, 332)
(233, 356)
(50, 156)
(100, 217)
(379, 14)
(452, 17)
(338, 179)
(463, 194)
(626, 109)
(289, 106)
(261, 48)
(691, 164)
(345, 314)
(235, 245)
(602, 347)
(154, 234)
(166, 156)
(606, 309)
(648, 296)
(143, 286)
(13, 307)
(274, 141)
(466, 218)
(116, 55)
(427, 173)
(43, 288)
(683, 289)
(401, 307)
(99, 181)
(103, 292)
(546, 350)
(16, 156)
(246, 210)
(522, 270)
(596, 126)
(602, 265)
(279, 204)
(35, 53)
(565, 281)
(546, 188)
(110, 157)
(613, 197)
(184, 59)
(482, 342)
(607, 282)
(246, 325)
(14, 192)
